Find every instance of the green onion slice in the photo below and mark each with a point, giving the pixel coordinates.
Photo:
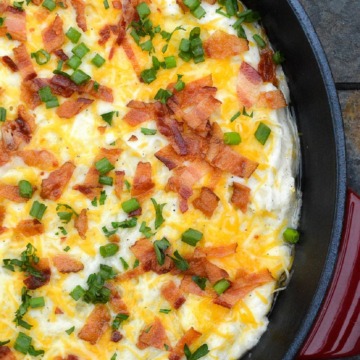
(291, 236)
(37, 210)
(109, 250)
(232, 138)
(41, 57)
(103, 166)
(221, 286)
(130, 205)
(191, 237)
(73, 35)
(262, 133)
(25, 189)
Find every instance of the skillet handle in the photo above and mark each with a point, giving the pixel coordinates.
(336, 332)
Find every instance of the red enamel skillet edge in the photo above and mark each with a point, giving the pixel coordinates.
(313, 308)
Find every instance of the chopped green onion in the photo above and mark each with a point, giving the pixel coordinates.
(108, 117)
(22, 343)
(136, 263)
(77, 293)
(106, 180)
(278, 58)
(159, 219)
(52, 103)
(67, 248)
(119, 318)
(45, 94)
(79, 77)
(70, 331)
(74, 62)
(127, 185)
(143, 10)
(102, 198)
(146, 230)
(146, 131)
(147, 46)
(184, 45)
(221, 12)
(37, 302)
(65, 216)
(107, 232)
(25, 189)
(202, 351)
(124, 264)
(262, 133)
(199, 281)
(80, 50)
(2, 343)
(192, 4)
(2, 114)
(221, 286)
(73, 35)
(180, 262)
(126, 224)
(232, 138)
(42, 57)
(260, 41)
(291, 236)
(18, 5)
(170, 62)
(246, 114)
(37, 210)
(165, 311)
(130, 205)
(98, 60)
(199, 12)
(180, 85)
(103, 166)
(160, 246)
(2, 21)
(109, 250)
(191, 237)
(106, 4)
(235, 116)
(114, 356)
(249, 16)
(49, 4)
(163, 95)
(148, 75)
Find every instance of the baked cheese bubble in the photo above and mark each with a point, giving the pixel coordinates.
(148, 156)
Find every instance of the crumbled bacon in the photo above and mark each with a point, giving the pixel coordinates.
(129, 11)
(100, 92)
(53, 36)
(81, 223)
(9, 62)
(4, 154)
(6, 353)
(15, 23)
(30, 228)
(169, 157)
(267, 67)
(30, 92)
(189, 286)
(61, 85)
(70, 108)
(219, 251)
(58, 311)
(33, 282)
(96, 324)
(129, 52)
(154, 336)
(272, 99)
(53, 187)
(42, 159)
(172, 294)
(105, 34)
(187, 339)
(64, 263)
(142, 184)
(116, 336)
(241, 196)
(79, 6)
(221, 45)
(140, 112)
(2, 218)
(23, 62)
(248, 85)
(61, 55)
(11, 192)
(243, 284)
(117, 304)
(207, 202)
(119, 183)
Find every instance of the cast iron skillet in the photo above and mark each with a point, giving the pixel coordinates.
(323, 177)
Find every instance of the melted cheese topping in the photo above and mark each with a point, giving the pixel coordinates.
(258, 232)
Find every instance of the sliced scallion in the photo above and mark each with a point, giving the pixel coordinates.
(191, 237)
(38, 210)
(25, 189)
(41, 57)
(130, 205)
(232, 138)
(262, 133)
(221, 286)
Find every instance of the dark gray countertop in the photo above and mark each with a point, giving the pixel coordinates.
(337, 23)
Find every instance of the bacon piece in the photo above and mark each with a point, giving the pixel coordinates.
(23, 62)
(241, 196)
(105, 34)
(189, 286)
(61, 85)
(116, 303)
(129, 11)
(15, 23)
(272, 99)
(248, 85)
(140, 112)
(267, 67)
(96, 324)
(32, 282)
(53, 187)
(129, 52)
(42, 159)
(221, 45)
(11, 192)
(187, 339)
(61, 55)
(4, 154)
(53, 36)
(207, 202)
(30, 228)
(243, 284)
(66, 264)
(119, 183)
(101, 92)
(172, 294)
(219, 251)
(81, 223)
(169, 157)
(183, 7)
(70, 108)
(142, 184)
(154, 336)
(29, 92)
(58, 311)
(69, 357)
(9, 62)
(6, 353)
(79, 6)
(2, 218)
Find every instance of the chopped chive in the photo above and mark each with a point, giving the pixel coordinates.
(2, 114)
(160, 246)
(74, 62)
(163, 95)
(126, 224)
(18, 5)
(184, 45)
(2, 343)
(106, 4)
(79, 77)
(25, 189)
(102, 198)
(70, 331)
(199, 281)
(119, 318)
(146, 131)
(37, 302)
(200, 352)
(278, 58)
(114, 356)
(192, 4)
(260, 41)
(191, 237)
(170, 62)
(159, 219)
(52, 103)
(146, 230)
(67, 249)
(98, 60)
(235, 116)
(291, 236)
(199, 12)
(249, 16)
(180, 85)
(64, 232)
(109, 250)
(108, 117)
(65, 216)
(246, 114)
(124, 264)
(262, 133)
(165, 311)
(221, 286)
(143, 10)
(136, 263)
(42, 57)
(103, 166)
(49, 4)
(73, 35)
(77, 293)
(148, 75)
(127, 185)
(94, 202)
(80, 50)
(45, 94)
(106, 180)
(180, 262)
(232, 138)
(221, 12)
(22, 343)
(37, 210)
(147, 46)
(130, 205)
